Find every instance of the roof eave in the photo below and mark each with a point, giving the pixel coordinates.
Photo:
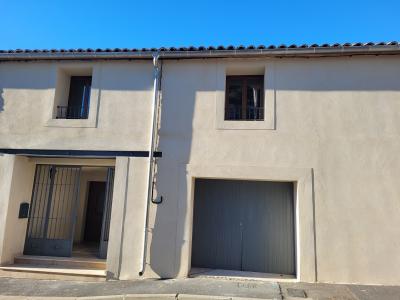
(246, 53)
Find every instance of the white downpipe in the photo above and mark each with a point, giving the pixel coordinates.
(156, 70)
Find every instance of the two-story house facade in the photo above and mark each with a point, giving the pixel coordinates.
(261, 162)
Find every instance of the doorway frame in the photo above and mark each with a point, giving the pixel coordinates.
(70, 162)
(102, 248)
(305, 251)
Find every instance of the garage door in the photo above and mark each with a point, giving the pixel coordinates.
(244, 225)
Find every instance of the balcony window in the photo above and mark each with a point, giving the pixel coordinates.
(78, 99)
(244, 98)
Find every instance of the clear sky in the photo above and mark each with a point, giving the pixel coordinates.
(136, 24)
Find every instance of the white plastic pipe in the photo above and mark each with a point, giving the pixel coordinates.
(153, 130)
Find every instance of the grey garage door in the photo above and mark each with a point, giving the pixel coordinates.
(244, 225)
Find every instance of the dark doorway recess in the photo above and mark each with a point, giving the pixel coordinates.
(94, 211)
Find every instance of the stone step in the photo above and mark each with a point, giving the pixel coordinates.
(52, 272)
(66, 262)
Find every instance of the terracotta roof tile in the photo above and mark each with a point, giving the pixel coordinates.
(205, 49)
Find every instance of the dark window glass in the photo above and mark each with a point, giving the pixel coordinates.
(234, 91)
(78, 99)
(244, 98)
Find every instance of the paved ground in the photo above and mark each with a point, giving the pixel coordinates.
(190, 288)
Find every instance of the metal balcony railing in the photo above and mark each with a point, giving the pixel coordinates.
(71, 112)
(251, 113)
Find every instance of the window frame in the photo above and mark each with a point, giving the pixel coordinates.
(244, 79)
(69, 109)
(246, 67)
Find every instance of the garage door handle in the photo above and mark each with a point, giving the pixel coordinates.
(157, 200)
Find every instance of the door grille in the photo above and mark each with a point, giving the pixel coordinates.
(52, 214)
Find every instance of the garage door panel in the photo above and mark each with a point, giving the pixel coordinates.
(227, 238)
(216, 226)
(254, 225)
(199, 231)
(203, 231)
(279, 230)
(244, 225)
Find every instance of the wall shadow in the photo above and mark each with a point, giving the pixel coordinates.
(180, 92)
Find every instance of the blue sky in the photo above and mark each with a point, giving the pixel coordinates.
(101, 24)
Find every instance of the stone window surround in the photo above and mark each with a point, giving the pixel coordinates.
(62, 72)
(246, 67)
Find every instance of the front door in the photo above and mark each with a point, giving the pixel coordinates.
(53, 209)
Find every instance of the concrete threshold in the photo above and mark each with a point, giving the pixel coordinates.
(240, 275)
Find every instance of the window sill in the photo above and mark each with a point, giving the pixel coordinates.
(71, 123)
(245, 125)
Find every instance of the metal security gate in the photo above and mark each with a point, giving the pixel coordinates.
(52, 212)
(105, 229)
(244, 225)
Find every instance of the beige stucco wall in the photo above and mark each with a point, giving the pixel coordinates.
(336, 116)
(16, 174)
(122, 92)
(125, 246)
(334, 129)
